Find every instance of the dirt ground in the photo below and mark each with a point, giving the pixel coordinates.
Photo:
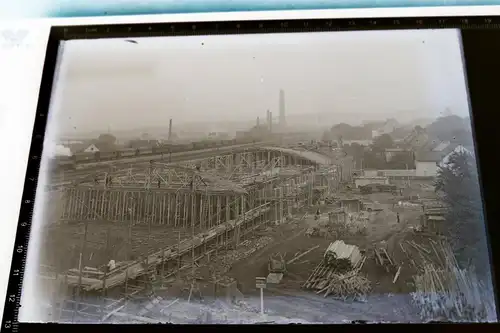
(387, 302)
(105, 241)
(383, 227)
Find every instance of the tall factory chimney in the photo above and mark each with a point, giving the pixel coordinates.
(270, 121)
(170, 130)
(258, 121)
(282, 109)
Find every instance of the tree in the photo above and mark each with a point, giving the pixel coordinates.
(383, 142)
(107, 139)
(445, 128)
(356, 151)
(457, 184)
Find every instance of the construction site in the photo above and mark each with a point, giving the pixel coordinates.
(198, 241)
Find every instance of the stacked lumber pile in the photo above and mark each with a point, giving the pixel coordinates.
(342, 257)
(344, 286)
(338, 273)
(446, 292)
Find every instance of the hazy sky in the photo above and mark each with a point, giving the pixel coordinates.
(110, 82)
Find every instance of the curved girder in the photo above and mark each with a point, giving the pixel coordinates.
(311, 156)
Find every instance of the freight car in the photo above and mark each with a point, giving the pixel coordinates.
(99, 156)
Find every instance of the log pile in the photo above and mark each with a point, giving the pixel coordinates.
(349, 285)
(327, 281)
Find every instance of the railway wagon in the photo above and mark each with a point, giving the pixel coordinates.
(83, 157)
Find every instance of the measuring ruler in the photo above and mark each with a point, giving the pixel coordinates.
(274, 26)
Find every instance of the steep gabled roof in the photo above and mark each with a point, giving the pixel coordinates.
(79, 147)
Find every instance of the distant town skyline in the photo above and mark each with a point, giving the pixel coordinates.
(360, 75)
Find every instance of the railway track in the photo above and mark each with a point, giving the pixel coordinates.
(83, 169)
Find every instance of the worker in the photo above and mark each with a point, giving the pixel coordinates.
(111, 265)
(397, 216)
(316, 217)
(159, 183)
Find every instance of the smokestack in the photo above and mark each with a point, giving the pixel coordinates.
(170, 130)
(258, 121)
(270, 121)
(282, 109)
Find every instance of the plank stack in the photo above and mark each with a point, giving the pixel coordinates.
(342, 257)
(338, 273)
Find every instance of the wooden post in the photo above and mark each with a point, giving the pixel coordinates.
(162, 266)
(169, 208)
(218, 222)
(228, 218)
(129, 245)
(105, 272)
(236, 217)
(126, 289)
(201, 211)
(210, 208)
(80, 268)
(176, 213)
(185, 210)
(62, 299)
(179, 255)
(150, 220)
(243, 211)
(193, 218)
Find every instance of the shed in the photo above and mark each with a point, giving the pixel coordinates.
(433, 223)
(350, 204)
(337, 216)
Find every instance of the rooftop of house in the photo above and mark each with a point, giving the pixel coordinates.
(395, 150)
(441, 146)
(438, 156)
(77, 147)
(429, 156)
(80, 147)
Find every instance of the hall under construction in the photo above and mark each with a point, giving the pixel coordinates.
(215, 201)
